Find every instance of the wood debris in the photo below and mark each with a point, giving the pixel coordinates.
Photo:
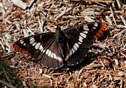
(22, 4)
(104, 66)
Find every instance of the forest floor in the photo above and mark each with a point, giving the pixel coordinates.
(105, 68)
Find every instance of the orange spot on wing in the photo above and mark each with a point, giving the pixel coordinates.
(100, 32)
(17, 48)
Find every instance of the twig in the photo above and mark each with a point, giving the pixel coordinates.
(102, 63)
(118, 3)
(123, 20)
(73, 16)
(6, 74)
(122, 84)
(109, 20)
(102, 1)
(80, 72)
(116, 62)
(110, 76)
(29, 30)
(116, 12)
(8, 55)
(123, 54)
(63, 13)
(113, 16)
(119, 34)
(20, 4)
(47, 76)
(41, 23)
(7, 84)
(88, 19)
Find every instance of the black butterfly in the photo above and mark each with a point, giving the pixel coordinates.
(68, 47)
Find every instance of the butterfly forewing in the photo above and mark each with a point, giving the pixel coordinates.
(32, 43)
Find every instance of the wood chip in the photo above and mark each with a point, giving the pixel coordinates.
(88, 19)
(118, 3)
(63, 13)
(20, 4)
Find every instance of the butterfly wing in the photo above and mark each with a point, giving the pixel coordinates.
(43, 48)
(80, 38)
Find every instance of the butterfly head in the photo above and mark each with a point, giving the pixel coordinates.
(58, 30)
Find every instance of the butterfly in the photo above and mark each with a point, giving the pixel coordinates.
(67, 47)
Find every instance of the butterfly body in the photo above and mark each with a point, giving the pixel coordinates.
(68, 47)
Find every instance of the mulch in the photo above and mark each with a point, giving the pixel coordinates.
(104, 67)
